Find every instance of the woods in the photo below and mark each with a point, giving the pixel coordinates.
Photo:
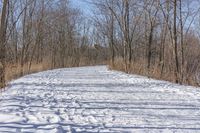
(155, 38)
(41, 35)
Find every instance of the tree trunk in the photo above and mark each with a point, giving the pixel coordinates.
(3, 28)
(112, 39)
(149, 47)
(128, 34)
(182, 44)
(176, 43)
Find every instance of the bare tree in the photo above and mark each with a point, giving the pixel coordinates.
(3, 28)
(177, 69)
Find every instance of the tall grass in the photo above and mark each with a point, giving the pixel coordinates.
(139, 67)
(13, 71)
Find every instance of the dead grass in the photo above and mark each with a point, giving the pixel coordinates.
(13, 71)
(140, 68)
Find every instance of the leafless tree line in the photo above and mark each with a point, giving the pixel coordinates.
(47, 33)
(158, 38)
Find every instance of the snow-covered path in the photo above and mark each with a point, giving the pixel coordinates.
(94, 99)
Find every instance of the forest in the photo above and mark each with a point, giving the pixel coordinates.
(155, 38)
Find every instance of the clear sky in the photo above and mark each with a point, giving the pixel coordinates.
(83, 5)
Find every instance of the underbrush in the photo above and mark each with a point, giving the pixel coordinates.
(14, 71)
(140, 68)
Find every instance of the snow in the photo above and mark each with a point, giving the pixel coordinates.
(95, 99)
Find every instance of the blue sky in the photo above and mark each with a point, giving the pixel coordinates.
(82, 5)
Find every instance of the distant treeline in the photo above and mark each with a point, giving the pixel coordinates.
(156, 38)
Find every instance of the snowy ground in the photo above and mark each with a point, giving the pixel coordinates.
(94, 99)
